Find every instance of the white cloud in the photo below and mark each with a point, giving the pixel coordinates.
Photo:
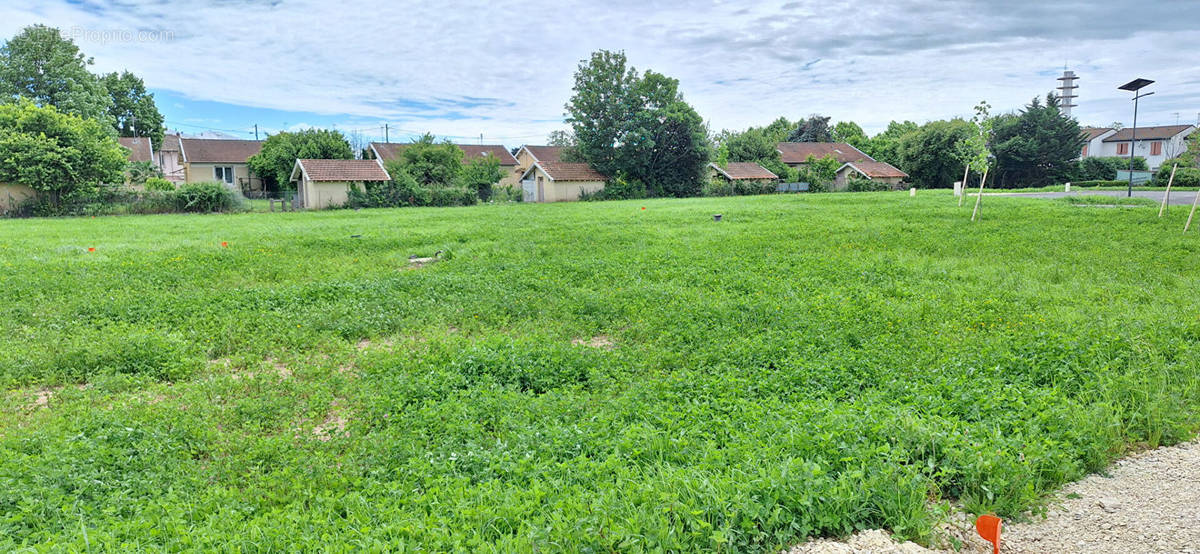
(505, 68)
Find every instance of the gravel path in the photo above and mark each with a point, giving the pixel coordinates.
(1149, 503)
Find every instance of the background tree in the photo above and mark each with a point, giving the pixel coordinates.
(813, 129)
(779, 129)
(430, 163)
(819, 173)
(885, 146)
(930, 155)
(850, 133)
(480, 174)
(56, 153)
(1036, 147)
(274, 163)
(637, 127)
(132, 109)
(561, 137)
(754, 145)
(41, 65)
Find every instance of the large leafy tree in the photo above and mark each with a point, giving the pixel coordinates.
(133, 110)
(48, 69)
(814, 129)
(850, 133)
(429, 162)
(931, 155)
(885, 146)
(1037, 146)
(637, 127)
(274, 163)
(54, 152)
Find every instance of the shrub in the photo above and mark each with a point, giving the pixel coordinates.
(1184, 177)
(206, 198)
(159, 184)
(453, 196)
(507, 194)
(1100, 183)
(619, 188)
(1105, 167)
(403, 190)
(721, 187)
(855, 184)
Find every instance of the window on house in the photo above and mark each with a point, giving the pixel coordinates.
(223, 174)
(1123, 148)
(1156, 148)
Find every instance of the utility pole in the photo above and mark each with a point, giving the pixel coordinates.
(385, 133)
(481, 139)
(255, 131)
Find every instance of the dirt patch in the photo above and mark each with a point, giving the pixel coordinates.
(598, 341)
(334, 424)
(1147, 504)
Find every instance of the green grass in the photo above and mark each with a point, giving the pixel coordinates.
(811, 365)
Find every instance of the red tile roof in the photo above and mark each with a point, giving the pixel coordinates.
(545, 153)
(568, 171)
(342, 170)
(737, 171)
(389, 150)
(798, 152)
(1148, 133)
(139, 148)
(218, 150)
(876, 170)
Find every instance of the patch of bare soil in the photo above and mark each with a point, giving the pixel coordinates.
(334, 424)
(1148, 503)
(598, 341)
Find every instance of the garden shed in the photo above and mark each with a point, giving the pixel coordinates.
(559, 181)
(326, 183)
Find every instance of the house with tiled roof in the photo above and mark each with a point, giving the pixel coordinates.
(221, 160)
(1093, 138)
(385, 151)
(1155, 144)
(326, 183)
(882, 172)
(530, 154)
(140, 149)
(560, 181)
(796, 154)
(741, 171)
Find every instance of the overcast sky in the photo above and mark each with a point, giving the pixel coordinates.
(505, 69)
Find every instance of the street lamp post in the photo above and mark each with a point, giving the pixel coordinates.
(1134, 86)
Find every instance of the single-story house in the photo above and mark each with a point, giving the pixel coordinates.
(741, 171)
(1156, 144)
(876, 171)
(169, 159)
(384, 151)
(326, 183)
(221, 160)
(795, 154)
(559, 181)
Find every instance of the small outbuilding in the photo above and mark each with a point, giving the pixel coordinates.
(742, 172)
(863, 169)
(326, 183)
(559, 181)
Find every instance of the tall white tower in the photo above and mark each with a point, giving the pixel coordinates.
(1067, 96)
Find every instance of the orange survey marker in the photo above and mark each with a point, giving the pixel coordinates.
(988, 527)
(224, 244)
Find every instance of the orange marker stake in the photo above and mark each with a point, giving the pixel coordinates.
(988, 527)
(643, 207)
(91, 249)
(224, 244)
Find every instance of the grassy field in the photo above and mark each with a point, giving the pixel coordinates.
(589, 377)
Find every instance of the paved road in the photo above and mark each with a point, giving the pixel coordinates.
(1178, 197)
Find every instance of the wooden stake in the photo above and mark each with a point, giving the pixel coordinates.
(979, 197)
(1194, 202)
(1167, 195)
(963, 190)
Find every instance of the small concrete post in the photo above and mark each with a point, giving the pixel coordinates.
(912, 191)
(1067, 187)
(958, 188)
